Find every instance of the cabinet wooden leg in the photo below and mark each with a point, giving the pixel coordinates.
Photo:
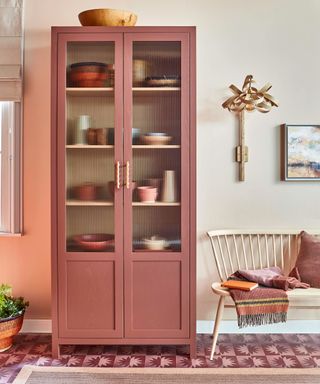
(55, 349)
(216, 325)
(193, 349)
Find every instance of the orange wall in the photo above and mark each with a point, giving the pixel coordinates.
(25, 261)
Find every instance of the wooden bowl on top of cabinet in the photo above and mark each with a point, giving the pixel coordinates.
(107, 17)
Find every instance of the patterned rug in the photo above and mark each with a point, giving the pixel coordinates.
(55, 375)
(233, 351)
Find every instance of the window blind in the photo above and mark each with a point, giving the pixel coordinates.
(11, 48)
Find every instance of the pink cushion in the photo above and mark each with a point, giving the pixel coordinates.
(308, 261)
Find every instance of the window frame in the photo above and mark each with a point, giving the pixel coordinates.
(10, 170)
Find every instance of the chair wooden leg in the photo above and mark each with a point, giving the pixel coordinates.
(216, 325)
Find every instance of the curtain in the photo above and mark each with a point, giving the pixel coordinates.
(11, 50)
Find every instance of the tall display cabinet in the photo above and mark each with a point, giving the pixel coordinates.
(123, 186)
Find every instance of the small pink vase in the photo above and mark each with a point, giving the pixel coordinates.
(147, 194)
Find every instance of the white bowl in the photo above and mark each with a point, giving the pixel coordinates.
(155, 243)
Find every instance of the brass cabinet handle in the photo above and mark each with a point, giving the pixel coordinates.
(128, 174)
(117, 166)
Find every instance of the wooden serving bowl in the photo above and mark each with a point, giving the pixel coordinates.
(94, 242)
(107, 17)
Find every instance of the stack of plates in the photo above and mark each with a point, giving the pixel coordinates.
(156, 138)
(163, 81)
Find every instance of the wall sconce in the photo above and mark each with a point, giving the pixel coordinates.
(248, 99)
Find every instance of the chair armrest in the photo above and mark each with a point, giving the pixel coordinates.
(221, 291)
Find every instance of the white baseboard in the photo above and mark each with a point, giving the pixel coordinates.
(205, 326)
(291, 326)
(36, 326)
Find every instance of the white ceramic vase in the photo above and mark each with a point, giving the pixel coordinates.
(82, 124)
(169, 188)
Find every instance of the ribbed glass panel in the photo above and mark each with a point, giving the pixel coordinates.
(90, 147)
(156, 146)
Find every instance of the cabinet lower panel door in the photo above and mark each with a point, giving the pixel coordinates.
(158, 304)
(90, 302)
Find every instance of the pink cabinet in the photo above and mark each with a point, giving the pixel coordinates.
(123, 185)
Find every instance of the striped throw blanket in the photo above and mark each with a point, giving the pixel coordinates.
(260, 306)
(268, 303)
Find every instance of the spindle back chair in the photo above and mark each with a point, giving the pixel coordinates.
(256, 249)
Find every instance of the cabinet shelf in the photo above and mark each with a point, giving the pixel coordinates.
(155, 204)
(103, 91)
(77, 91)
(87, 146)
(138, 146)
(94, 203)
(173, 146)
(155, 90)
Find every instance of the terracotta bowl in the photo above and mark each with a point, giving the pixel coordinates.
(86, 192)
(88, 74)
(107, 17)
(94, 242)
(8, 329)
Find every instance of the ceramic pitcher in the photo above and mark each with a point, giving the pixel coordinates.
(82, 124)
(169, 188)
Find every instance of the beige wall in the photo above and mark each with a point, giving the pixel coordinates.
(276, 41)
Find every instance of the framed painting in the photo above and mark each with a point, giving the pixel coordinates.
(300, 152)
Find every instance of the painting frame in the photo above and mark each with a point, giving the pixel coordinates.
(300, 159)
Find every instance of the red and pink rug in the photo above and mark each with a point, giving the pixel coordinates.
(233, 351)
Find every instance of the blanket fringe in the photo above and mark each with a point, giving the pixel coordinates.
(261, 319)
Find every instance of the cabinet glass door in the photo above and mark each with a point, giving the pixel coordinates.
(90, 196)
(156, 146)
(156, 142)
(90, 173)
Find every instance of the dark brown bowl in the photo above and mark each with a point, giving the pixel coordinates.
(94, 241)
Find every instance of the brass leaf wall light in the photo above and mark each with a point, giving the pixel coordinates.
(249, 99)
